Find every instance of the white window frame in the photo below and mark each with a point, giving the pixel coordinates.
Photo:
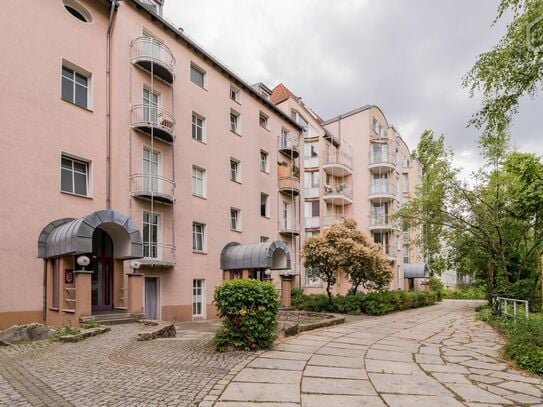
(202, 127)
(235, 122)
(264, 120)
(267, 203)
(88, 165)
(202, 296)
(158, 251)
(235, 221)
(405, 182)
(203, 180)
(202, 71)
(264, 162)
(204, 237)
(238, 170)
(235, 91)
(81, 72)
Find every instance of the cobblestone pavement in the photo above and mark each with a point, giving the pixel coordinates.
(116, 370)
(437, 356)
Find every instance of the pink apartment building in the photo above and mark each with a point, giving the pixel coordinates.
(357, 165)
(136, 144)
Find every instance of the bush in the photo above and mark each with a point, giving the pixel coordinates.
(379, 303)
(436, 286)
(350, 304)
(524, 290)
(471, 292)
(524, 337)
(250, 309)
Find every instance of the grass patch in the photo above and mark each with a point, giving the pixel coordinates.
(524, 338)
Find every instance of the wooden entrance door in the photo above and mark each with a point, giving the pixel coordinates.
(102, 277)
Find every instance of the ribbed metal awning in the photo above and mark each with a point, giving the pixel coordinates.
(70, 236)
(417, 270)
(269, 255)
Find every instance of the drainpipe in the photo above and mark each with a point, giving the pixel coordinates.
(114, 5)
(44, 309)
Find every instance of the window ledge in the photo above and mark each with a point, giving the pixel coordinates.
(237, 182)
(198, 86)
(236, 102)
(235, 132)
(56, 309)
(74, 194)
(200, 196)
(265, 172)
(88, 109)
(199, 252)
(236, 230)
(204, 142)
(266, 128)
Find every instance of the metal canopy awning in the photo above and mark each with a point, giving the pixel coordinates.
(417, 270)
(269, 255)
(70, 236)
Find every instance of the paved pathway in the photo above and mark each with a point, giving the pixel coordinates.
(438, 356)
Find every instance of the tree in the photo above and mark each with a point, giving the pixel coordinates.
(509, 71)
(426, 212)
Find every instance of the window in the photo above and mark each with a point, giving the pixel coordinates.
(311, 154)
(199, 181)
(234, 93)
(263, 120)
(264, 161)
(264, 205)
(150, 106)
(75, 87)
(235, 170)
(74, 177)
(77, 10)
(55, 283)
(286, 215)
(312, 214)
(150, 234)
(197, 297)
(198, 125)
(405, 182)
(311, 184)
(151, 165)
(198, 237)
(234, 121)
(264, 239)
(197, 75)
(235, 219)
(405, 254)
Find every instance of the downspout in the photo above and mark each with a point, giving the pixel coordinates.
(114, 5)
(44, 309)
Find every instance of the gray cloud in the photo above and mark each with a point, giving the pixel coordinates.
(408, 57)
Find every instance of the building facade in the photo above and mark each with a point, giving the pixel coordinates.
(139, 145)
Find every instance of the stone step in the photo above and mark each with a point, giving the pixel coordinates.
(114, 318)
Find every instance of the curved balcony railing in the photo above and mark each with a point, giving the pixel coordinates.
(382, 161)
(382, 190)
(288, 227)
(312, 222)
(338, 193)
(330, 220)
(289, 184)
(338, 163)
(153, 56)
(154, 121)
(158, 255)
(154, 187)
(288, 145)
(382, 222)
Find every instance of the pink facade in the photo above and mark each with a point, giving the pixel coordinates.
(146, 159)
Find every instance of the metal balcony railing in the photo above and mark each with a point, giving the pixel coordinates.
(288, 144)
(383, 158)
(382, 222)
(330, 220)
(342, 189)
(153, 120)
(289, 184)
(311, 192)
(288, 226)
(338, 158)
(154, 56)
(312, 222)
(158, 254)
(156, 186)
(383, 187)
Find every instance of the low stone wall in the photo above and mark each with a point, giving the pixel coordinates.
(294, 322)
(84, 334)
(156, 329)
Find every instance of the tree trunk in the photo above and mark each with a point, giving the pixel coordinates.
(328, 290)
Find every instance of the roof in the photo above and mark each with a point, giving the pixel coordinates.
(198, 49)
(416, 270)
(70, 236)
(281, 93)
(235, 256)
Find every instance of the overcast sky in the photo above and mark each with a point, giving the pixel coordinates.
(408, 57)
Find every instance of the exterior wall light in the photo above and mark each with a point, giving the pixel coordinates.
(135, 265)
(83, 261)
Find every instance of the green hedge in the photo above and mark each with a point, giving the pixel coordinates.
(249, 309)
(524, 339)
(472, 292)
(374, 303)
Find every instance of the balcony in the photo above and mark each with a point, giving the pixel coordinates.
(158, 255)
(155, 187)
(382, 191)
(311, 192)
(154, 121)
(312, 222)
(382, 162)
(288, 227)
(338, 163)
(288, 145)
(338, 194)
(382, 223)
(153, 56)
(311, 161)
(289, 185)
(380, 137)
(330, 220)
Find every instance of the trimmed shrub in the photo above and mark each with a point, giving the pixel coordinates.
(471, 292)
(350, 304)
(379, 303)
(249, 309)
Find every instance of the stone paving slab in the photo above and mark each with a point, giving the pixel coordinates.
(337, 386)
(322, 400)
